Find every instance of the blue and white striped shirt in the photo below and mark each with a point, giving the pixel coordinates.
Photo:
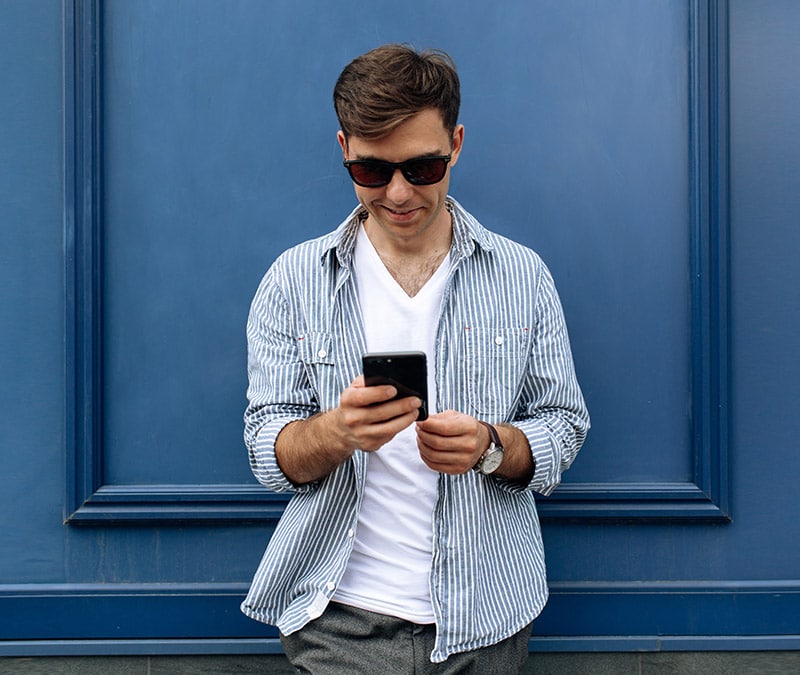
(502, 355)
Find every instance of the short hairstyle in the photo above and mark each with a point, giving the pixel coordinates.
(381, 89)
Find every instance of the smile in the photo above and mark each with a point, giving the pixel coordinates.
(401, 214)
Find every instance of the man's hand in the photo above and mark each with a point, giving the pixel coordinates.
(452, 442)
(366, 418)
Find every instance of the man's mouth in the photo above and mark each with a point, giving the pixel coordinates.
(398, 213)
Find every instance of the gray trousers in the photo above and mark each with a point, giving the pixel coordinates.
(350, 641)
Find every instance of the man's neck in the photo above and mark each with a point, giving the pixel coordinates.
(412, 275)
(412, 263)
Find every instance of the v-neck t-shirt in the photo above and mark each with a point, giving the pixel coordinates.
(389, 568)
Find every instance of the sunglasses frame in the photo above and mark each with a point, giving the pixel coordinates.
(403, 166)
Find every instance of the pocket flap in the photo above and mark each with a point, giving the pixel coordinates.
(315, 348)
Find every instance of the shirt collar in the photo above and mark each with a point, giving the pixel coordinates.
(467, 232)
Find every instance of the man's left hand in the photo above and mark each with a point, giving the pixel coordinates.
(451, 442)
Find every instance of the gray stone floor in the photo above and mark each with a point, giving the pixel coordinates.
(661, 663)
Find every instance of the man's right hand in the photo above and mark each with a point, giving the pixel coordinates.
(366, 418)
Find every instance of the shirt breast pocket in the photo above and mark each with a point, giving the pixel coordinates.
(495, 366)
(317, 357)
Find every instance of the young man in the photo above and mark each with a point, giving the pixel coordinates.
(408, 546)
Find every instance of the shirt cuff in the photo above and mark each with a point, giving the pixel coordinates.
(265, 462)
(546, 474)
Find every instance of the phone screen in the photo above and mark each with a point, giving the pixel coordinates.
(407, 371)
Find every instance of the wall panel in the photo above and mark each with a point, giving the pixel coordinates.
(156, 298)
(645, 149)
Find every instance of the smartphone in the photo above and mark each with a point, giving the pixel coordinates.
(408, 371)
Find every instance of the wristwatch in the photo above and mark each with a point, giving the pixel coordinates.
(493, 457)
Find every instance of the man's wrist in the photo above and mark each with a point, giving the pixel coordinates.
(491, 458)
(310, 449)
(518, 464)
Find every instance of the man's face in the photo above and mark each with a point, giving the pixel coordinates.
(403, 216)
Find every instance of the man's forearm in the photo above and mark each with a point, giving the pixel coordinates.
(518, 465)
(308, 450)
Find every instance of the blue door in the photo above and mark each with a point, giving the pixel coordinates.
(199, 142)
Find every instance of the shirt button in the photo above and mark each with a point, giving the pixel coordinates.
(350, 533)
(330, 586)
(322, 353)
(498, 340)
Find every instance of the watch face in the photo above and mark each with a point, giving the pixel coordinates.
(492, 461)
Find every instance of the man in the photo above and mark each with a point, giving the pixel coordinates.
(408, 546)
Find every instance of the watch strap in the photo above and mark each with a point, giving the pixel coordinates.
(493, 455)
(494, 437)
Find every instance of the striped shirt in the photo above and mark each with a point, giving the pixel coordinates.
(502, 355)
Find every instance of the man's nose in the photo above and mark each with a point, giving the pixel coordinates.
(399, 189)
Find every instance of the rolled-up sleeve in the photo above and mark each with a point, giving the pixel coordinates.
(552, 412)
(278, 391)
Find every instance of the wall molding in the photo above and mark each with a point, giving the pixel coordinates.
(120, 619)
(82, 247)
(89, 500)
(267, 646)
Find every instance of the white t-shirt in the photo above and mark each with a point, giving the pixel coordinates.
(389, 569)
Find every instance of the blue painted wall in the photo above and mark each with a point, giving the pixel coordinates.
(647, 150)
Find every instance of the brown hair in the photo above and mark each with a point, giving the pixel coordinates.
(383, 88)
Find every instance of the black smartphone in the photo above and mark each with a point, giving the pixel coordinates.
(408, 371)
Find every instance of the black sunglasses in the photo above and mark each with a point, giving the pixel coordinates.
(374, 173)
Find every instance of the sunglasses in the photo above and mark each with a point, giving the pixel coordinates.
(374, 173)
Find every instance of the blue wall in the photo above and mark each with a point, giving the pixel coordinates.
(647, 150)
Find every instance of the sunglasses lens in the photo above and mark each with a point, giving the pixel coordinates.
(377, 173)
(425, 171)
(370, 174)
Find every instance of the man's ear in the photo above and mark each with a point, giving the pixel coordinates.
(457, 144)
(342, 142)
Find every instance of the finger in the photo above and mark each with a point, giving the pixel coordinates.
(442, 442)
(445, 463)
(374, 436)
(396, 408)
(360, 396)
(448, 423)
(358, 412)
